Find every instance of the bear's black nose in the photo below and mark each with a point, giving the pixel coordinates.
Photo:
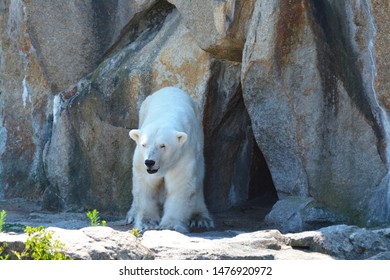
(149, 163)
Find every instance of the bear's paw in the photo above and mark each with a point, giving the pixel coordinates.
(199, 221)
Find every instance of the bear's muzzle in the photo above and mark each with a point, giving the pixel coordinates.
(150, 164)
(151, 171)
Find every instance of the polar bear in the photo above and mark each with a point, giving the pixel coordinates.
(168, 164)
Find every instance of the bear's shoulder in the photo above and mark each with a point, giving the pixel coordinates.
(170, 94)
(168, 104)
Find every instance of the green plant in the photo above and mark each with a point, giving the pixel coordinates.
(136, 232)
(41, 246)
(94, 218)
(3, 214)
(2, 248)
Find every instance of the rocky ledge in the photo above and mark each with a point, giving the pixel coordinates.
(334, 242)
(239, 234)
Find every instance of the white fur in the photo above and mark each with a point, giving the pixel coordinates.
(169, 193)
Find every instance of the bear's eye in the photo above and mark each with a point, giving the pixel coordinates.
(162, 146)
(144, 145)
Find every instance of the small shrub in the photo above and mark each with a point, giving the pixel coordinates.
(94, 218)
(136, 232)
(2, 248)
(41, 246)
(3, 214)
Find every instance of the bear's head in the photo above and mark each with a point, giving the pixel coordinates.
(160, 148)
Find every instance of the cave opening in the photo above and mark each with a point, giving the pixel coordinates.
(258, 197)
(239, 189)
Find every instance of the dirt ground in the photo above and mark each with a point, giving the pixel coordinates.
(247, 217)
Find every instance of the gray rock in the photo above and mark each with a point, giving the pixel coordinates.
(219, 27)
(344, 242)
(381, 256)
(24, 98)
(72, 37)
(306, 110)
(379, 17)
(296, 214)
(91, 243)
(116, 242)
(12, 242)
(261, 245)
(335, 242)
(101, 243)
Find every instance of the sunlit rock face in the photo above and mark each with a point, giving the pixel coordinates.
(314, 108)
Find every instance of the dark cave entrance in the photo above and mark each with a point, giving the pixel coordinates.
(261, 185)
(249, 212)
(239, 189)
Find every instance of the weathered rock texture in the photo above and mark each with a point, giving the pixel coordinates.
(260, 245)
(314, 109)
(334, 242)
(219, 27)
(103, 243)
(241, 240)
(295, 98)
(90, 243)
(345, 242)
(294, 213)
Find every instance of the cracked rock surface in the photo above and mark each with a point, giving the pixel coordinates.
(115, 241)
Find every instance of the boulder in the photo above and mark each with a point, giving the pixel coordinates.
(297, 214)
(344, 242)
(261, 245)
(101, 243)
(12, 242)
(318, 122)
(90, 243)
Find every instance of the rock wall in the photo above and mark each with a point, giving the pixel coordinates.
(314, 109)
(294, 95)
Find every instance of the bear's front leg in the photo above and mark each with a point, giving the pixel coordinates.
(178, 207)
(145, 211)
(175, 219)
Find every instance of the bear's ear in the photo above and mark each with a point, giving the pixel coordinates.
(181, 137)
(134, 134)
